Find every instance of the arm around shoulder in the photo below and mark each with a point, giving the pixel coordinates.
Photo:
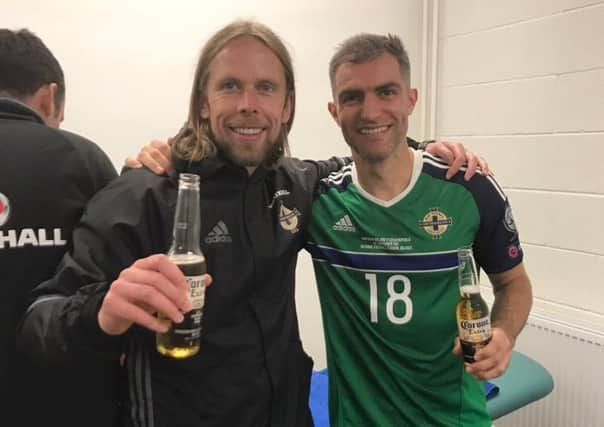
(325, 167)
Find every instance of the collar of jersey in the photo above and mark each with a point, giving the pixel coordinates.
(415, 173)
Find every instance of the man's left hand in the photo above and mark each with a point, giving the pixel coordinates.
(456, 155)
(492, 360)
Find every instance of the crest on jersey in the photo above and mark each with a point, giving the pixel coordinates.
(277, 196)
(4, 209)
(435, 223)
(288, 218)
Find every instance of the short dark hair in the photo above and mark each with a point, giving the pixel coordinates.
(26, 64)
(363, 48)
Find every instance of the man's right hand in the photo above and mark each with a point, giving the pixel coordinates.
(149, 285)
(156, 156)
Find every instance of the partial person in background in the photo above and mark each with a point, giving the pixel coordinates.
(47, 176)
(383, 236)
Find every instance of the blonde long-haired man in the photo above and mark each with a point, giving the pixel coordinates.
(255, 202)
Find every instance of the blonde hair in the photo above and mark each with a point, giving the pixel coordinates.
(194, 141)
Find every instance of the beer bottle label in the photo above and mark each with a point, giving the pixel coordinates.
(475, 330)
(196, 291)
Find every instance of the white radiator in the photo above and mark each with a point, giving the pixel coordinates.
(575, 359)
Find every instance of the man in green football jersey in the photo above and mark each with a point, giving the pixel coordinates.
(383, 237)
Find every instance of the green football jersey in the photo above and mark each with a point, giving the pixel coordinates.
(387, 280)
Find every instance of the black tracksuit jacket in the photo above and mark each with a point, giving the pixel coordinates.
(251, 369)
(46, 178)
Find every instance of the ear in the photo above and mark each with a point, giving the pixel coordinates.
(43, 101)
(205, 109)
(333, 110)
(58, 108)
(412, 100)
(287, 109)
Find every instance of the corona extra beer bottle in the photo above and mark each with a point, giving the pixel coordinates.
(182, 339)
(473, 321)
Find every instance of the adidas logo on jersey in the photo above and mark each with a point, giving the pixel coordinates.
(218, 234)
(344, 224)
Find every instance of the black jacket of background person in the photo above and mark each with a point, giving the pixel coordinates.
(46, 178)
(251, 369)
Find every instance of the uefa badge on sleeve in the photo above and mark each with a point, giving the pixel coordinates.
(508, 219)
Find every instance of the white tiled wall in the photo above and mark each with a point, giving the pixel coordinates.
(544, 161)
(561, 43)
(468, 16)
(522, 83)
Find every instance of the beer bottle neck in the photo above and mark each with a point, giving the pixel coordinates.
(468, 277)
(186, 231)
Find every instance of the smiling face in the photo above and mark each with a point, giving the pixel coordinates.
(247, 102)
(372, 105)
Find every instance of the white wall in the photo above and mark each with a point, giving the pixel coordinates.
(129, 66)
(522, 83)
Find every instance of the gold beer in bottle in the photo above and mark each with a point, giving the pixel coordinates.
(473, 321)
(182, 339)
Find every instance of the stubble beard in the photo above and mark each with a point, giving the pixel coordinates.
(239, 155)
(366, 154)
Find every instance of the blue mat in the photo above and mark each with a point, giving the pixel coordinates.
(525, 381)
(318, 401)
